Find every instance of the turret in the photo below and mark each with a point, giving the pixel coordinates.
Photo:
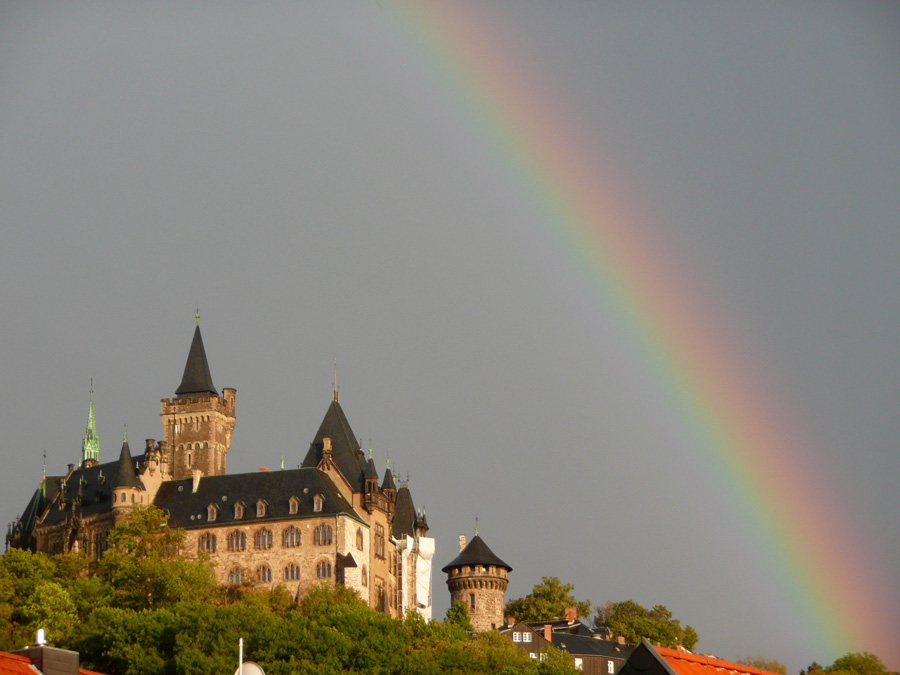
(90, 444)
(477, 579)
(126, 487)
(198, 422)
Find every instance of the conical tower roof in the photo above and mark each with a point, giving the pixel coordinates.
(196, 378)
(125, 475)
(476, 552)
(388, 482)
(344, 446)
(371, 471)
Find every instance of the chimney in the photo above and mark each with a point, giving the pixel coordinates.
(326, 446)
(548, 631)
(263, 468)
(50, 660)
(571, 614)
(620, 640)
(462, 542)
(196, 474)
(511, 621)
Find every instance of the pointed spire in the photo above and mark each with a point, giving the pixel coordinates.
(196, 378)
(90, 444)
(335, 392)
(125, 475)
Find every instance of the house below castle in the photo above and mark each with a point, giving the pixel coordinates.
(331, 520)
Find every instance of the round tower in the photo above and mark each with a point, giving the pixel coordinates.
(477, 579)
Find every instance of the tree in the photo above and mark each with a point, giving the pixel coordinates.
(547, 600)
(857, 663)
(761, 662)
(458, 615)
(630, 620)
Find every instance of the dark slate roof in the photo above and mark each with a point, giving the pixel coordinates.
(125, 475)
(582, 645)
(404, 515)
(388, 482)
(371, 471)
(344, 447)
(476, 552)
(89, 490)
(188, 509)
(196, 378)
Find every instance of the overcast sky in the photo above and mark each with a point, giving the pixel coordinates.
(322, 181)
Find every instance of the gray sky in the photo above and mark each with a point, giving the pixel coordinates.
(316, 179)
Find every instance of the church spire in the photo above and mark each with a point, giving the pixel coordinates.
(90, 445)
(196, 378)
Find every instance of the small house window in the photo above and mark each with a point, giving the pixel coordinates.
(260, 508)
(517, 637)
(579, 664)
(610, 667)
(238, 510)
(294, 505)
(526, 636)
(317, 504)
(211, 512)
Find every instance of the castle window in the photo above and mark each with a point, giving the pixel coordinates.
(211, 512)
(379, 541)
(323, 570)
(237, 541)
(263, 539)
(236, 576)
(189, 457)
(115, 497)
(132, 498)
(260, 508)
(472, 600)
(238, 510)
(208, 542)
(379, 594)
(365, 576)
(291, 536)
(323, 535)
(359, 538)
(317, 503)
(292, 572)
(264, 574)
(294, 505)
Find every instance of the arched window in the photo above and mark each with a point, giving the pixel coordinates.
(238, 510)
(365, 576)
(317, 503)
(264, 574)
(323, 535)
(208, 542)
(323, 570)
(237, 541)
(263, 539)
(260, 508)
(294, 505)
(236, 576)
(291, 536)
(211, 512)
(379, 541)
(359, 538)
(292, 572)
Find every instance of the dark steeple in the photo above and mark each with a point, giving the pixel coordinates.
(125, 475)
(344, 447)
(476, 553)
(196, 379)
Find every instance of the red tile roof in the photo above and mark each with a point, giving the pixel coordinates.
(685, 663)
(13, 664)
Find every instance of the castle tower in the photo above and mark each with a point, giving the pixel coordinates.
(125, 486)
(90, 444)
(477, 578)
(197, 422)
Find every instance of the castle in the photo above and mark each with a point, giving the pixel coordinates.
(328, 521)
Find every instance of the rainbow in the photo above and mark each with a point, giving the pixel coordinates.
(773, 477)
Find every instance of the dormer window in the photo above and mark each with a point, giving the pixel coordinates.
(294, 505)
(238, 510)
(260, 508)
(211, 512)
(317, 503)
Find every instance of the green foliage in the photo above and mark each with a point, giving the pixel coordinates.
(858, 663)
(458, 615)
(630, 620)
(547, 600)
(144, 565)
(761, 662)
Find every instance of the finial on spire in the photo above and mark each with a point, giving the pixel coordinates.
(476, 526)
(336, 392)
(197, 314)
(282, 461)
(389, 458)
(125, 440)
(370, 448)
(45, 465)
